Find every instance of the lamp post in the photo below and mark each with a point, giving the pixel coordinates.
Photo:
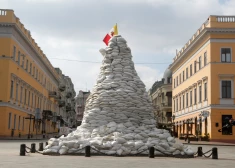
(54, 120)
(173, 118)
(29, 118)
(37, 119)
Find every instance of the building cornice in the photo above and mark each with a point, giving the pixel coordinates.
(200, 37)
(35, 55)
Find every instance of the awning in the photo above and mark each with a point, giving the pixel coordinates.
(168, 93)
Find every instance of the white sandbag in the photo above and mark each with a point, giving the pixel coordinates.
(177, 152)
(138, 144)
(111, 152)
(120, 140)
(188, 151)
(119, 151)
(63, 150)
(171, 139)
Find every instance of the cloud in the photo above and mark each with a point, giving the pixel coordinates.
(74, 29)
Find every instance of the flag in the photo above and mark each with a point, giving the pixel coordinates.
(112, 32)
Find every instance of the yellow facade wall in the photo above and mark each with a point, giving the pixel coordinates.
(10, 69)
(212, 73)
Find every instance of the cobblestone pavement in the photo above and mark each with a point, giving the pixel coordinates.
(9, 158)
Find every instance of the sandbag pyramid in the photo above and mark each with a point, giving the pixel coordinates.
(118, 117)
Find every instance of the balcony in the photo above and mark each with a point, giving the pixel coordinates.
(166, 105)
(53, 94)
(68, 107)
(69, 95)
(58, 97)
(61, 103)
(62, 87)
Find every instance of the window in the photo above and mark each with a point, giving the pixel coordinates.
(191, 98)
(36, 74)
(180, 78)
(23, 124)
(9, 121)
(35, 101)
(17, 92)
(33, 71)
(200, 62)
(195, 96)
(180, 103)
(183, 102)
(186, 73)
(195, 66)
(14, 121)
(183, 75)
(205, 58)
(29, 99)
(186, 99)
(21, 93)
(174, 104)
(14, 53)
(205, 91)
(200, 94)
(225, 55)
(38, 105)
(168, 80)
(177, 81)
(226, 89)
(177, 104)
(18, 57)
(22, 65)
(174, 83)
(225, 120)
(191, 70)
(25, 95)
(32, 100)
(30, 68)
(19, 124)
(26, 68)
(12, 88)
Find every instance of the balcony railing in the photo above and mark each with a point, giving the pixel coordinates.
(61, 103)
(62, 87)
(69, 95)
(52, 94)
(225, 18)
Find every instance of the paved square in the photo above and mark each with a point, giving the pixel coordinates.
(9, 158)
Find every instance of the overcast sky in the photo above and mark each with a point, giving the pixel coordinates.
(74, 30)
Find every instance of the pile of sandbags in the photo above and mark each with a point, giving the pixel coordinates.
(118, 117)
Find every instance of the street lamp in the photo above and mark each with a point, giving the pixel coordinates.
(54, 119)
(37, 119)
(173, 118)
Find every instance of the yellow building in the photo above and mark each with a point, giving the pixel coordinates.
(27, 81)
(203, 74)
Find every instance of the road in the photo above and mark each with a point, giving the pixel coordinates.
(9, 158)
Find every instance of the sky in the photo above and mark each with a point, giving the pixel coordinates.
(70, 31)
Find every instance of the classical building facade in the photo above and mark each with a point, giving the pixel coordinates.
(80, 104)
(203, 74)
(161, 96)
(66, 100)
(29, 83)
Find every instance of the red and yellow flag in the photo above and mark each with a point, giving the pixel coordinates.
(112, 32)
